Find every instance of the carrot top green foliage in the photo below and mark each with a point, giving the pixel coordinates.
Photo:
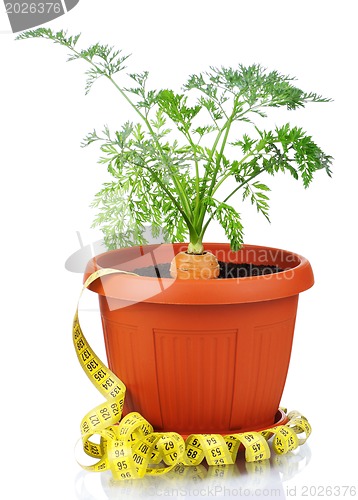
(168, 167)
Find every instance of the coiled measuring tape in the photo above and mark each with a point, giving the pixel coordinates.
(131, 449)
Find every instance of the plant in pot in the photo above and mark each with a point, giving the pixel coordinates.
(200, 333)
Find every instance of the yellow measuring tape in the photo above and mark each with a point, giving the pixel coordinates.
(129, 447)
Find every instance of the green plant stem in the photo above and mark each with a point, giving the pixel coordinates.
(163, 186)
(228, 174)
(197, 175)
(227, 198)
(210, 158)
(182, 194)
(226, 127)
(215, 145)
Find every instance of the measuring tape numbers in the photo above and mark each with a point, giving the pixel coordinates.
(130, 448)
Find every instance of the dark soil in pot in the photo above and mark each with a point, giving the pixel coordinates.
(227, 270)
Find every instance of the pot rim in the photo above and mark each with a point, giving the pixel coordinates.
(296, 277)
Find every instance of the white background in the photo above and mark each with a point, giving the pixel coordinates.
(48, 182)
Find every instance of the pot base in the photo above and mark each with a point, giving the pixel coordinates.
(280, 419)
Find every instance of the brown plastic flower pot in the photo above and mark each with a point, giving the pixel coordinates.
(201, 356)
